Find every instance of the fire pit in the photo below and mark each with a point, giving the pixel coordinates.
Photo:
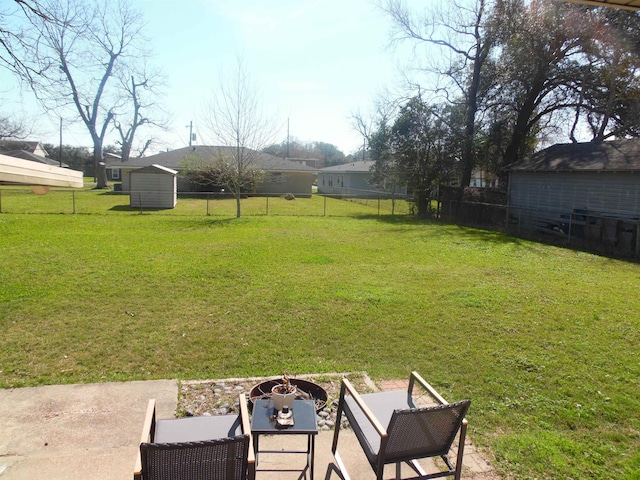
(306, 391)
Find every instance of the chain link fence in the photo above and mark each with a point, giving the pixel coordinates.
(68, 201)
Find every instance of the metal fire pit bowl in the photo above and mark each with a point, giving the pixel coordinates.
(306, 391)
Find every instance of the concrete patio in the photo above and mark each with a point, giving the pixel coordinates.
(92, 431)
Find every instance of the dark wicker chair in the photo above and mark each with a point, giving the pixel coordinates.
(391, 428)
(193, 448)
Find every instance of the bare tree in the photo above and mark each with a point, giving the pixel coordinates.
(14, 129)
(78, 49)
(13, 38)
(234, 118)
(141, 108)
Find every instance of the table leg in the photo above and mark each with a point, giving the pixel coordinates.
(312, 439)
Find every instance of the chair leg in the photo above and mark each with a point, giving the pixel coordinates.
(341, 468)
(336, 430)
(461, 441)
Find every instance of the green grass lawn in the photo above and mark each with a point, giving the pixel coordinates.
(543, 340)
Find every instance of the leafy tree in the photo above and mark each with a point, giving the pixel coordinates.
(78, 158)
(325, 153)
(414, 150)
(330, 154)
(609, 84)
(537, 68)
(465, 32)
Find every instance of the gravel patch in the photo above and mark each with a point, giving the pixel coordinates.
(220, 397)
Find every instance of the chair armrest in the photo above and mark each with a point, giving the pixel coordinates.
(148, 428)
(415, 376)
(363, 406)
(246, 427)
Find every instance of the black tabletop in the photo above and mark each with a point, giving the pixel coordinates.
(304, 418)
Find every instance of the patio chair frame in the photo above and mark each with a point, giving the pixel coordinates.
(379, 459)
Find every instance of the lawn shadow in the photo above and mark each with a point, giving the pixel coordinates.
(442, 229)
(128, 208)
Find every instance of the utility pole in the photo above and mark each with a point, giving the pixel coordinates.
(190, 132)
(288, 137)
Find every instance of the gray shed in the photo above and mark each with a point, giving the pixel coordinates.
(154, 186)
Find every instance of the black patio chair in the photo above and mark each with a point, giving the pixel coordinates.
(192, 448)
(392, 428)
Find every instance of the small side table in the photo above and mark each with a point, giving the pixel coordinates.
(304, 418)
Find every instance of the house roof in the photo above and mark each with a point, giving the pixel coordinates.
(363, 166)
(616, 156)
(174, 158)
(26, 155)
(11, 145)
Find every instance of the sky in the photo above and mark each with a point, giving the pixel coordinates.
(314, 63)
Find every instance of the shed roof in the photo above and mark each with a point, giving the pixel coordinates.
(362, 166)
(174, 158)
(156, 169)
(616, 156)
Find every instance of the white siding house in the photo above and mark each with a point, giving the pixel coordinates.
(353, 179)
(154, 186)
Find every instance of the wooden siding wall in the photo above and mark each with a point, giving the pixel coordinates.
(153, 190)
(612, 193)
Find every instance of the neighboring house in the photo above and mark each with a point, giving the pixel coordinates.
(283, 176)
(33, 151)
(480, 179)
(27, 146)
(582, 189)
(353, 179)
(112, 174)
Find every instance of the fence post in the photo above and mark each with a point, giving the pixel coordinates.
(73, 200)
(393, 204)
(325, 205)
(267, 197)
(207, 204)
(378, 205)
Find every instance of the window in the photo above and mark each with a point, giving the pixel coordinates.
(115, 174)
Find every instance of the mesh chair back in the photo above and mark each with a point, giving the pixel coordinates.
(223, 459)
(423, 432)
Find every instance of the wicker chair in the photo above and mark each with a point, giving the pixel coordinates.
(391, 428)
(193, 448)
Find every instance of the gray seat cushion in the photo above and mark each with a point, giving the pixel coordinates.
(382, 405)
(194, 429)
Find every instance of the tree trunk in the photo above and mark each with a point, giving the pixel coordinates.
(100, 169)
(423, 205)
